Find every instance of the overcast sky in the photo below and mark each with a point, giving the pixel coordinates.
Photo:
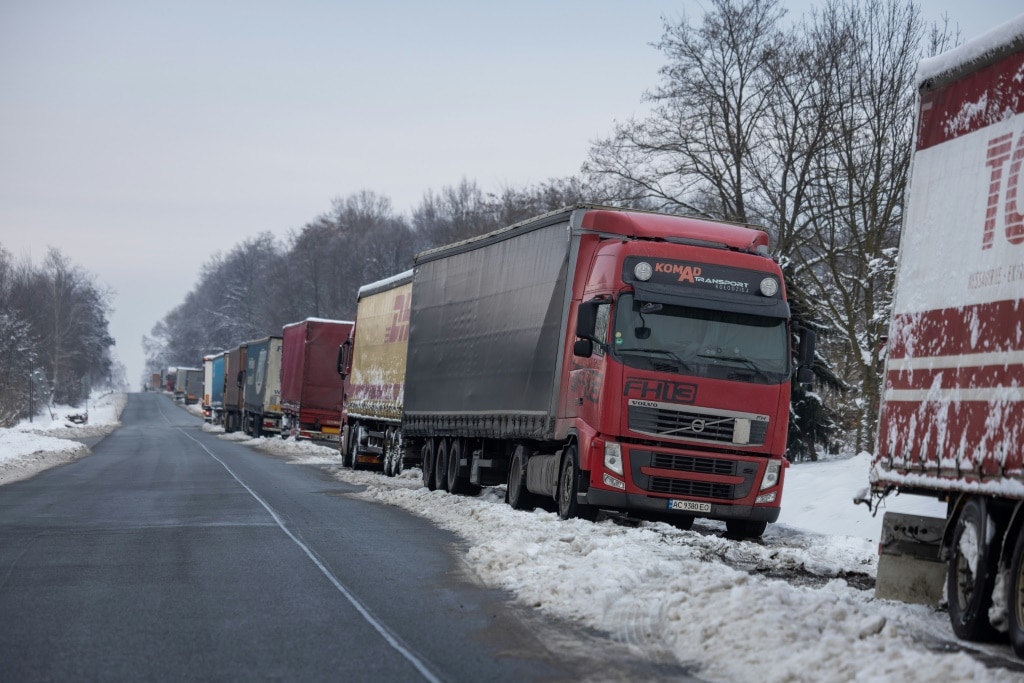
(142, 137)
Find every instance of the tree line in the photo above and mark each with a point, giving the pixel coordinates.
(55, 345)
(802, 127)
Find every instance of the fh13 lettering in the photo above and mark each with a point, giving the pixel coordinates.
(660, 390)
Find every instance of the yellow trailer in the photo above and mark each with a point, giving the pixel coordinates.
(373, 361)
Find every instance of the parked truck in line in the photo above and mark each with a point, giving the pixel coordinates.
(155, 382)
(311, 390)
(373, 363)
(603, 358)
(213, 388)
(951, 424)
(234, 383)
(189, 385)
(262, 387)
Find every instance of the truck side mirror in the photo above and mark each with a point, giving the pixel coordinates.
(804, 374)
(240, 380)
(584, 348)
(344, 351)
(807, 339)
(586, 318)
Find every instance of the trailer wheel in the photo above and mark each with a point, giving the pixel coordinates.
(455, 483)
(568, 485)
(1015, 596)
(427, 454)
(389, 452)
(441, 465)
(398, 464)
(971, 574)
(516, 494)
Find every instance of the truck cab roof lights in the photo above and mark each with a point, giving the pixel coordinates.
(643, 271)
(769, 286)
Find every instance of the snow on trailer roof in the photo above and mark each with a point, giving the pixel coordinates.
(385, 284)
(317, 320)
(975, 53)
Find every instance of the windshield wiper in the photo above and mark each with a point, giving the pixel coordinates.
(664, 352)
(739, 359)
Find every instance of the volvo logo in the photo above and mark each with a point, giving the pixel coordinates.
(697, 426)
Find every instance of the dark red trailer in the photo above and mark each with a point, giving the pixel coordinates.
(311, 389)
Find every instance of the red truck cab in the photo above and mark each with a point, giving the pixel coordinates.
(679, 382)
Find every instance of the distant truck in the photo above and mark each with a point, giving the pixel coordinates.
(189, 385)
(155, 383)
(262, 392)
(601, 358)
(213, 388)
(952, 419)
(170, 379)
(373, 362)
(234, 384)
(311, 390)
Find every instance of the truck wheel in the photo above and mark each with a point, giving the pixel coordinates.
(456, 484)
(389, 452)
(441, 466)
(971, 574)
(357, 438)
(568, 484)
(516, 494)
(427, 454)
(399, 452)
(1015, 596)
(743, 528)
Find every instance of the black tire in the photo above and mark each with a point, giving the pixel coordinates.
(516, 494)
(743, 528)
(389, 452)
(441, 465)
(429, 461)
(456, 483)
(399, 452)
(568, 485)
(356, 431)
(970, 592)
(1015, 596)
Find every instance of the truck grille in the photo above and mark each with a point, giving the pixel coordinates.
(667, 421)
(688, 472)
(702, 489)
(688, 463)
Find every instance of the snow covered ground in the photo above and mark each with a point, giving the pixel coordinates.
(792, 607)
(47, 441)
(714, 605)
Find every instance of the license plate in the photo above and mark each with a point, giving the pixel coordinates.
(689, 506)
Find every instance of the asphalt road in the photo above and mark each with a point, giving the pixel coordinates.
(170, 554)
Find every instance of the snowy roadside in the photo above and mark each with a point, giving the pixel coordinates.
(31, 447)
(711, 604)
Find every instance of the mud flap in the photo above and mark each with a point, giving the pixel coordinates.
(910, 566)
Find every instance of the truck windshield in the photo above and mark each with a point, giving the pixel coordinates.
(700, 342)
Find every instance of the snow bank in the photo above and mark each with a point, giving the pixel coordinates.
(31, 447)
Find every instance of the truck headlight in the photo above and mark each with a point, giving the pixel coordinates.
(613, 456)
(771, 474)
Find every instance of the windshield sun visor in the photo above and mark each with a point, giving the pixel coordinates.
(714, 300)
